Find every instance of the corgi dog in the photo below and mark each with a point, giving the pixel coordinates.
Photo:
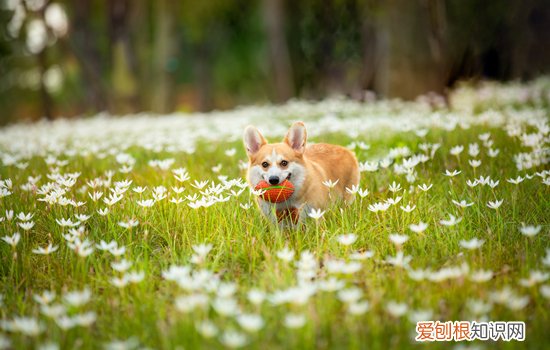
(305, 166)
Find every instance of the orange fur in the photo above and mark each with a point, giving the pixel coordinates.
(308, 165)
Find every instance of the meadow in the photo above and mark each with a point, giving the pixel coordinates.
(140, 231)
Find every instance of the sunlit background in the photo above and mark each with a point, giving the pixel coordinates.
(78, 58)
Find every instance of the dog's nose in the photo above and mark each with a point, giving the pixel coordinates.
(273, 180)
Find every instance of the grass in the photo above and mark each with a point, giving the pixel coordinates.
(245, 246)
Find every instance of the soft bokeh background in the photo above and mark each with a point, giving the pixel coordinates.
(74, 58)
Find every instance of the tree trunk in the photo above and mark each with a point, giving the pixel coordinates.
(410, 53)
(44, 94)
(124, 80)
(279, 57)
(203, 74)
(83, 45)
(164, 52)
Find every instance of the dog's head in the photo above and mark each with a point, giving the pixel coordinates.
(276, 162)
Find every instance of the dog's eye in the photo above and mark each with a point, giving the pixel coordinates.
(265, 164)
(284, 163)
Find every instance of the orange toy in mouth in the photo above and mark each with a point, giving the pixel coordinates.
(275, 193)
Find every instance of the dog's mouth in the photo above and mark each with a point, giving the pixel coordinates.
(288, 177)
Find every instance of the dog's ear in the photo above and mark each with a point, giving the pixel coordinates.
(253, 140)
(297, 137)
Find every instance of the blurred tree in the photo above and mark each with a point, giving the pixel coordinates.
(84, 45)
(279, 58)
(165, 49)
(124, 66)
(132, 55)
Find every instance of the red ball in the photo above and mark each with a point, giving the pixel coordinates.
(275, 193)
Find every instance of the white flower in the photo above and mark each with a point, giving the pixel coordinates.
(425, 187)
(225, 306)
(27, 325)
(456, 150)
(45, 251)
(202, 249)
(27, 225)
(347, 239)
(331, 284)
(256, 296)
(128, 344)
(233, 339)
(45, 298)
(363, 192)
(493, 183)
(181, 174)
(139, 189)
(368, 166)
(135, 276)
(481, 275)
(353, 190)
(77, 298)
(396, 309)
(474, 163)
(471, 183)
(129, 224)
(484, 180)
(24, 217)
(230, 152)
(176, 200)
(13, 239)
(358, 308)
(408, 208)
(361, 255)
(495, 205)
(484, 136)
(478, 307)
(67, 222)
(294, 320)
(330, 184)
(517, 303)
(516, 181)
(250, 322)
(398, 239)
(199, 184)
(350, 295)
(376, 207)
(188, 303)
(420, 315)
(316, 213)
(394, 187)
(122, 265)
(535, 277)
(146, 203)
(462, 203)
(419, 228)
(451, 222)
(399, 259)
(453, 173)
(393, 201)
(82, 217)
(285, 254)
(529, 230)
(207, 329)
(245, 206)
(472, 244)
(473, 149)
(119, 282)
(493, 152)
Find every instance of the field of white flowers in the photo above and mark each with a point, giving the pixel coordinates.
(140, 231)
